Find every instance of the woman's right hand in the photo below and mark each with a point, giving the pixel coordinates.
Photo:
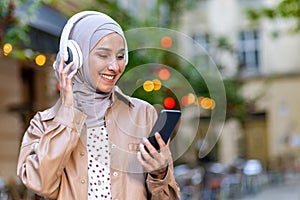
(65, 82)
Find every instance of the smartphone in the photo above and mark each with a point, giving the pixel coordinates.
(165, 125)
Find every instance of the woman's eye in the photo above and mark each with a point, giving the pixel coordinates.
(120, 57)
(102, 55)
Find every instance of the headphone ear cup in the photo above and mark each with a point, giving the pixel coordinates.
(75, 54)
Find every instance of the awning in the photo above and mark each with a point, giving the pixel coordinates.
(46, 19)
(45, 28)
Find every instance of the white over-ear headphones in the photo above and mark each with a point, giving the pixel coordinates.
(69, 49)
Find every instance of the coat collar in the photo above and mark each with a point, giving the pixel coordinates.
(121, 96)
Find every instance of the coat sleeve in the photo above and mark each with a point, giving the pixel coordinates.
(166, 189)
(46, 148)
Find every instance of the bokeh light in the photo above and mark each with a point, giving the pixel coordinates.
(191, 98)
(207, 103)
(40, 59)
(148, 86)
(53, 65)
(7, 48)
(164, 74)
(184, 101)
(188, 99)
(169, 103)
(166, 42)
(157, 84)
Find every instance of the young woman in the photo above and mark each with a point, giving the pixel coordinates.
(92, 143)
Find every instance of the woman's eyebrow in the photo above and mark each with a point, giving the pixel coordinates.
(103, 49)
(122, 50)
(108, 49)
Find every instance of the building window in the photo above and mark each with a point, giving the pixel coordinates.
(202, 39)
(200, 55)
(248, 50)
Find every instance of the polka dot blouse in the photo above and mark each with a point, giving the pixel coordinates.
(99, 163)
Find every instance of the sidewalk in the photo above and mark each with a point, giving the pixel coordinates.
(289, 190)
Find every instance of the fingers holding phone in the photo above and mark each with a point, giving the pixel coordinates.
(153, 160)
(154, 154)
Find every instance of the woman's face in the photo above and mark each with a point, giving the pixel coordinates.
(107, 62)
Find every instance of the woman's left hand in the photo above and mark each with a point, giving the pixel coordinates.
(155, 162)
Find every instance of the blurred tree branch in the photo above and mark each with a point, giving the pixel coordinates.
(286, 9)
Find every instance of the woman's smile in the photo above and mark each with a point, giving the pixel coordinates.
(107, 77)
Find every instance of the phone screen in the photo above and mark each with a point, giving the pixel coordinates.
(165, 125)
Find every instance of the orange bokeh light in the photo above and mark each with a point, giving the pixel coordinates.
(188, 99)
(185, 101)
(157, 84)
(164, 74)
(40, 60)
(207, 103)
(166, 42)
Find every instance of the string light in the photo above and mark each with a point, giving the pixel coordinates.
(148, 86)
(40, 59)
(169, 103)
(7, 49)
(164, 74)
(207, 103)
(188, 99)
(191, 98)
(184, 101)
(166, 42)
(157, 84)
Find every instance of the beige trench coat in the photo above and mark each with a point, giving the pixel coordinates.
(53, 155)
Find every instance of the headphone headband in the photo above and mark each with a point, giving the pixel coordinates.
(63, 45)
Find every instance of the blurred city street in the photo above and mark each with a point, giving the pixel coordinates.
(286, 191)
(195, 185)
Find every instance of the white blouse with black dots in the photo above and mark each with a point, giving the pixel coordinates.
(99, 163)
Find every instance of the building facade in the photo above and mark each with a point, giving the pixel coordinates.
(269, 68)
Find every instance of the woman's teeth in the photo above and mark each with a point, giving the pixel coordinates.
(108, 77)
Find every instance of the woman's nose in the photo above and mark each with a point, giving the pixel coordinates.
(113, 65)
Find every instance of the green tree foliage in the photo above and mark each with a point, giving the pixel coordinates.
(14, 28)
(286, 9)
